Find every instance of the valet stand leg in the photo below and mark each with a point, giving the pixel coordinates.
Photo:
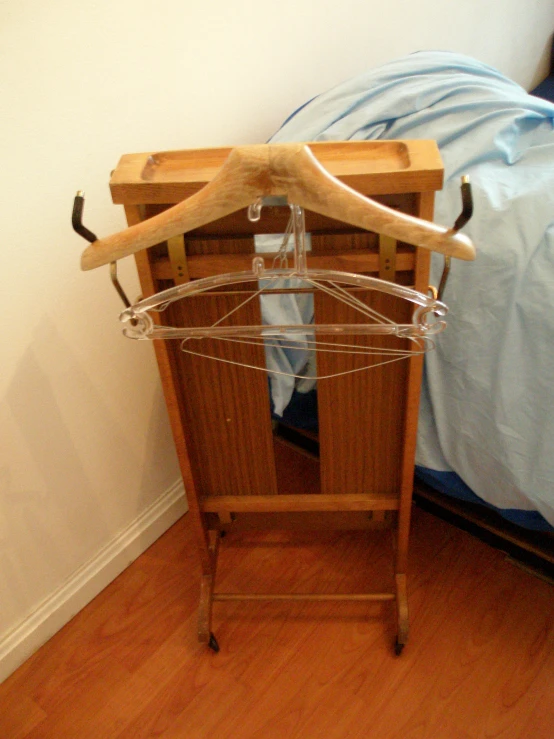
(207, 540)
(405, 506)
(401, 613)
(205, 634)
(424, 209)
(400, 578)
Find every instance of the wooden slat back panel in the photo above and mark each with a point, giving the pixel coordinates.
(226, 406)
(361, 415)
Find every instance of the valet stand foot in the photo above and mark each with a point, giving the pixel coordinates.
(401, 613)
(205, 634)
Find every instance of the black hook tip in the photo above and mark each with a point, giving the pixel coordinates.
(77, 218)
(467, 204)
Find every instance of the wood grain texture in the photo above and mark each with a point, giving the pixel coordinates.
(361, 414)
(372, 167)
(414, 371)
(274, 219)
(230, 440)
(479, 664)
(276, 169)
(539, 544)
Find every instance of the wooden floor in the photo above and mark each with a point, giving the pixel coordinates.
(480, 661)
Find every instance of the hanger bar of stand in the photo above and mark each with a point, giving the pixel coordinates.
(270, 276)
(265, 331)
(207, 265)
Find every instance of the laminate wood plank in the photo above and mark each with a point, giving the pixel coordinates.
(225, 407)
(229, 442)
(539, 544)
(112, 713)
(300, 560)
(361, 414)
(147, 616)
(232, 248)
(480, 661)
(297, 471)
(430, 712)
(256, 629)
(19, 715)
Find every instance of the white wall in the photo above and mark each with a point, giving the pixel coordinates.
(88, 475)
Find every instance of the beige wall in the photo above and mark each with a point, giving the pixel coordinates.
(88, 475)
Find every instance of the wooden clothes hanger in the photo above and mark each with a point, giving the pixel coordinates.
(276, 169)
(292, 171)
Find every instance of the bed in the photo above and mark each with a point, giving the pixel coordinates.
(486, 426)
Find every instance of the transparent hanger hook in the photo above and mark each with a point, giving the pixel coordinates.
(299, 229)
(136, 325)
(436, 310)
(255, 210)
(258, 266)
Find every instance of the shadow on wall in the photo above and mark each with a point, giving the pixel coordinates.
(90, 476)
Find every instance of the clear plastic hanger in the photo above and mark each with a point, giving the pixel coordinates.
(140, 325)
(292, 171)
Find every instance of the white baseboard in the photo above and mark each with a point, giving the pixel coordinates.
(57, 609)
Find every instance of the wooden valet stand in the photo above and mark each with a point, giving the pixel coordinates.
(368, 208)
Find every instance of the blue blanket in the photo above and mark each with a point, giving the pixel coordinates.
(487, 410)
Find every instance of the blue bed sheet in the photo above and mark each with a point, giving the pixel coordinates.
(487, 405)
(453, 486)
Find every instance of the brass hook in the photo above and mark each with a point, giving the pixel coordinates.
(77, 223)
(117, 284)
(461, 220)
